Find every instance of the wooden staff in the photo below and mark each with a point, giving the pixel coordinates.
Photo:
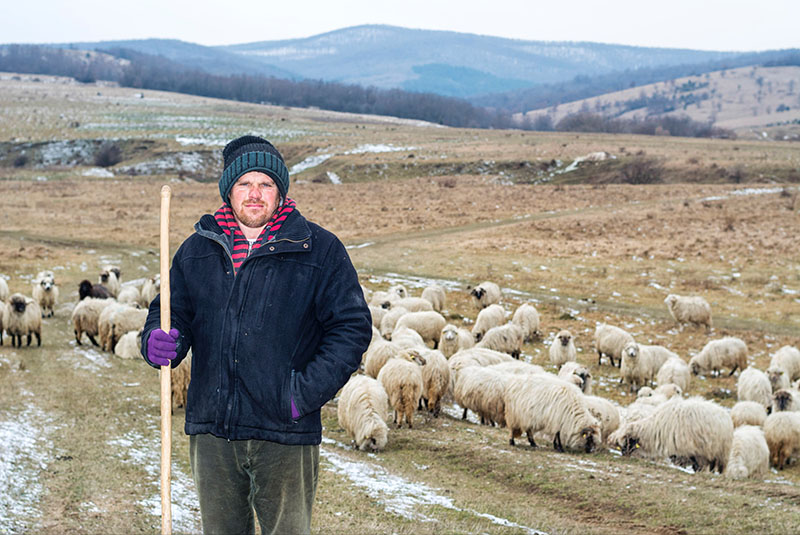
(166, 371)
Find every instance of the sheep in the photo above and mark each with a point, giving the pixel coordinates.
(377, 314)
(785, 399)
(669, 390)
(149, 291)
(389, 320)
(535, 403)
(577, 374)
(675, 371)
(506, 338)
(45, 292)
(749, 455)
(413, 304)
(180, 376)
(729, 352)
(4, 294)
(782, 431)
(454, 339)
(363, 409)
(788, 359)
(116, 320)
(407, 338)
(695, 430)
(777, 378)
(435, 379)
(377, 354)
(428, 324)
(748, 413)
(640, 366)
(87, 289)
(485, 294)
(129, 295)
(401, 376)
(86, 317)
(517, 367)
(385, 299)
(610, 341)
(129, 345)
(476, 356)
(689, 309)
(606, 413)
(435, 294)
(22, 317)
(562, 349)
(754, 385)
(491, 316)
(481, 390)
(111, 279)
(2, 313)
(526, 317)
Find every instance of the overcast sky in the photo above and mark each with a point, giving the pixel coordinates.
(697, 24)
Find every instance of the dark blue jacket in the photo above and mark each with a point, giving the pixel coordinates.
(292, 323)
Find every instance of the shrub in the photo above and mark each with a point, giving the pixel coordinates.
(21, 160)
(109, 154)
(642, 170)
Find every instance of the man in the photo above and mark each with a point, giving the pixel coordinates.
(271, 306)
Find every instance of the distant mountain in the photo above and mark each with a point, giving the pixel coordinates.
(450, 63)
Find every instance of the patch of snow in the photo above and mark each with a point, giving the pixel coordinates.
(334, 178)
(370, 148)
(98, 172)
(308, 163)
(360, 245)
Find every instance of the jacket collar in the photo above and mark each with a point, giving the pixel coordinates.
(294, 232)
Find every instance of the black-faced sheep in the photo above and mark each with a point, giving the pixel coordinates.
(401, 377)
(693, 431)
(454, 339)
(505, 338)
(577, 374)
(782, 431)
(610, 341)
(428, 324)
(748, 413)
(562, 349)
(491, 316)
(785, 399)
(675, 371)
(754, 385)
(110, 277)
(749, 454)
(485, 294)
(787, 358)
(729, 352)
(526, 317)
(22, 317)
(45, 292)
(363, 409)
(87, 289)
(436, 295)
(543, 403)
(86, 317)
(689, 309)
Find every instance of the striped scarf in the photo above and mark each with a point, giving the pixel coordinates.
(241, 247)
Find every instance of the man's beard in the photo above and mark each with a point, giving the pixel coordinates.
(253, 221)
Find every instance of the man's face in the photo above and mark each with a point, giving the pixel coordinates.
(254, 198)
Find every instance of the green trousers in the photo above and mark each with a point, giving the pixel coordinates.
(235, 478)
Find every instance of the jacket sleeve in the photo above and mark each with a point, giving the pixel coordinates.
(347, 330)
(181, 312)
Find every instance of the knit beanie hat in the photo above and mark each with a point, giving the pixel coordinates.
(252, 153)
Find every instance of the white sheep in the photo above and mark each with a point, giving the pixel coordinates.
(505, 338)
(2, 314)
(517, 367)
(562, 349)
(693, 431)
(641, 366)
(606, 413)
(485, 294)
(389, 320)
(129, 345)
(754, 385)
(401, 377)
(749, 454)
(86, 317)
(428, 324)
(117, 319)
(785, 399)
(413, 304)
(481, 390)
(474, 356)
(129, 295)
(377, 354)
(748, 413)
(729, 352)
(45, 292)
(435, 294)
(689, 309)
(4, 293)
(538, 403)
(363, 409)
(577, 374)
(788, 359)
(377, 314)
(675, 371)
(110, 277)
(610, 341)
(149, 290)
(669, 390)
(454, 339)
(22, 317)
(407, 338)
(526, 317)
(782, 431)
(384, 299)
(435, 379)
(491, 316)
(778, 378)
(180, 377)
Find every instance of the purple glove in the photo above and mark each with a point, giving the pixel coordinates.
(295, 412)
(162, 347)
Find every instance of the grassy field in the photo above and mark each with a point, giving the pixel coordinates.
(79, 441)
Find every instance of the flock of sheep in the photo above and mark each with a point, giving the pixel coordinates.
(416, 359)
(110, 314)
